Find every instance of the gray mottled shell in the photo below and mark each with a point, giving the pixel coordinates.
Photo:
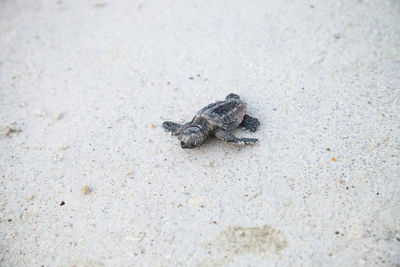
(227, 114)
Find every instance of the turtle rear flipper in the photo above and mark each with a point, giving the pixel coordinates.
(228, 137)
(250, 123)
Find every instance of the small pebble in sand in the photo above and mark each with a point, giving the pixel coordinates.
(337, 36)
(58, 158)
(39, 113)
(210, 164)
(30, 197)
(100, 5)
(64, 147)
(86, 190)
(334, 159)
(58, 116)
(7, 130)
(153, 126)
(197, 202)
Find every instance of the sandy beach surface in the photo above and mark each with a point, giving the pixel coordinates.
(89, 177)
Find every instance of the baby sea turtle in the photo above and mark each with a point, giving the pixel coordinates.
(216, 119)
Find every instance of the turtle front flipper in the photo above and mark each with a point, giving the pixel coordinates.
(250, 123)
(228, 137)
(174, 128)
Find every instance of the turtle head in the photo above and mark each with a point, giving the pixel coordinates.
(193, 137)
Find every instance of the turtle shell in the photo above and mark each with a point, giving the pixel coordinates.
(227, 114)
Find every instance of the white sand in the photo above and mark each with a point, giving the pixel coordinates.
(89, 83)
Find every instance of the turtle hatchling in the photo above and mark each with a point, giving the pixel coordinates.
(216, 119)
